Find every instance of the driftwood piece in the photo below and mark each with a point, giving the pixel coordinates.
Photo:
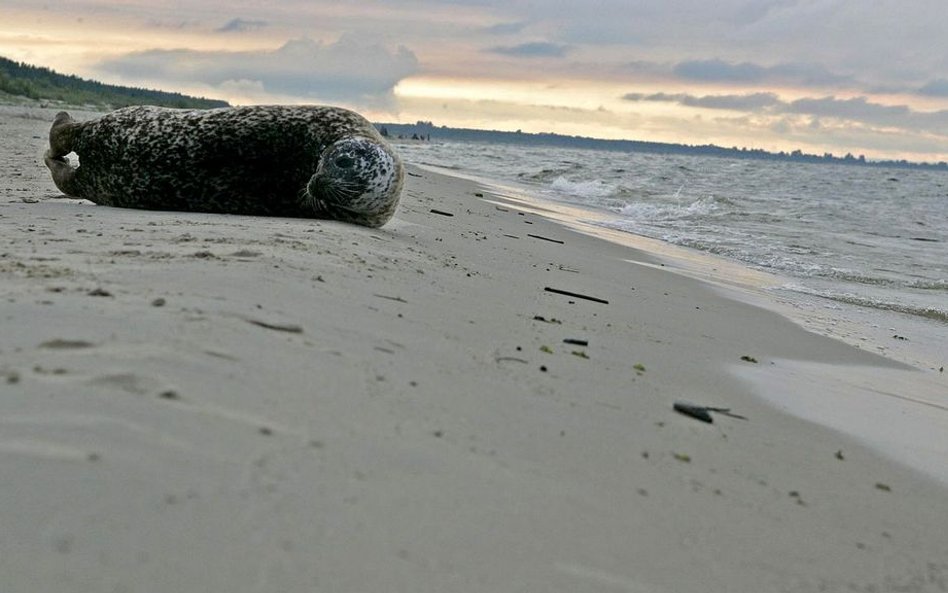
(703, 413)
(542, 238)
(693, 410)
(397, 299)
(545, 320)
(280, 327)
(576, 295)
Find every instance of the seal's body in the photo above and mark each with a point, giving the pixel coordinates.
(304, 161)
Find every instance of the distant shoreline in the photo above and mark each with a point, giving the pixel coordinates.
(443, 133)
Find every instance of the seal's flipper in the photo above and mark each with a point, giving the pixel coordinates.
(64, 174)
(61, 136)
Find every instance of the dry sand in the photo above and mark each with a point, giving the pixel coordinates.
(219, 403)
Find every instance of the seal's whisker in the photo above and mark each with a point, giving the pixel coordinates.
(303, 197)
(337, 192)
(345, 185)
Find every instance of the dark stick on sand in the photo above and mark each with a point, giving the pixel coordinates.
(693, 410)
(702, 413)
(390, 298)
(547, 239)
(576, 295)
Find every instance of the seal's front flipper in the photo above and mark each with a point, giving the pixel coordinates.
(61, 136)
(64, 174)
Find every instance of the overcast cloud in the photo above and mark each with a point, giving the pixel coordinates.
(350, 69)
(880, 67)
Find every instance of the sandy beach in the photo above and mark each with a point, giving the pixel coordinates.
(473, 398)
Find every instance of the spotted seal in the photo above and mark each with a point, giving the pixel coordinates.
(301, 161)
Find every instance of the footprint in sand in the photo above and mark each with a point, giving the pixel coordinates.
(128, 383)
(43, 450)
(61, 344)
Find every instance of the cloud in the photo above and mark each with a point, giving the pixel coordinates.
(935, 88)
(747, 72)
(352, 69)
(719, 71)
(536, 49)
(505, 28)
(858, 110)
(754, 12)
(172, 25)
(749, 102)
(241, 26)
(743, 74)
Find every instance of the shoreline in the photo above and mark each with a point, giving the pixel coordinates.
(860, 326)
(298, 405)
(919, 439)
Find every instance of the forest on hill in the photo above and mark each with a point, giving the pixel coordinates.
(43, 84)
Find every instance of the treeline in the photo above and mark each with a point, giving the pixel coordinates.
(427, 130)
(43, 84)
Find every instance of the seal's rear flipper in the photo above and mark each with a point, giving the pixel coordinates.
(61, 136)
(64, 174)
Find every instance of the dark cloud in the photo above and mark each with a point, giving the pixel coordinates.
(653, 97)
(748, 72)
(935, 88)
(750, 102)
(536, 49)
(241, 25)
(858, 108)
(352, 69)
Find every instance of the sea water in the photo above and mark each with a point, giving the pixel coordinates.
(864, 237)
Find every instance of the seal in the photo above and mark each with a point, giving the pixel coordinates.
(299, 161)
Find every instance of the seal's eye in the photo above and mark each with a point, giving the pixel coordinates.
(344, 162)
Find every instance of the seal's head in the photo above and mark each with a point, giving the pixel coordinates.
(357, 180)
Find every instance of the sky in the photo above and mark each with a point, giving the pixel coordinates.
(867, 77)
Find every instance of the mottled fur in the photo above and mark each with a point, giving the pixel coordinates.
(307, 161)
